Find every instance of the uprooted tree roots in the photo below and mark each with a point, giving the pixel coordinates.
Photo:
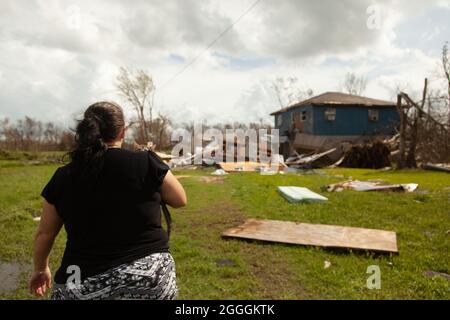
(374, 155)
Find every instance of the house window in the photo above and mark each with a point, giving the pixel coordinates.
(279, 120)
(304, 116)
(373, 115)
(330, 114)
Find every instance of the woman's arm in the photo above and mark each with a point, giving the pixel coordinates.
(48, 229)
(172, 191)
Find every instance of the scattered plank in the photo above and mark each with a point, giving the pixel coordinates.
(246, 166)
(302, 160)
(315, 235)
(370, 186)
(444, 167)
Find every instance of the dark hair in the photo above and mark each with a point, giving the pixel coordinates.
(101, 125)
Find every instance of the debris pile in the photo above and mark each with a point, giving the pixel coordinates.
(375, 155)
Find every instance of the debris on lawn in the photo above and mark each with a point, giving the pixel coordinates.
(326, 264)
(328, 236)
(444, 167)
(370, 186)
(247, 166)
(37, 219)
(310, 160)
(299, 194)
(431, 274)
(219, 172)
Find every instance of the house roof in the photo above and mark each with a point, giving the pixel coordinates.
(338, 99)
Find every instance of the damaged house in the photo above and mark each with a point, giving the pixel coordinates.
(334, 120)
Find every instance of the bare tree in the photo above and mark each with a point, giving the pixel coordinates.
(138, 88)
(446, 67)
(354, 84)
(288, 91)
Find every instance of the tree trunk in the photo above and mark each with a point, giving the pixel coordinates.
(401, 113)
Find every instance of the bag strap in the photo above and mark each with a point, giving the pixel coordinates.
(168, 218)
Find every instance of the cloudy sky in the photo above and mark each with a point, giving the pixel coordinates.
(57, 57)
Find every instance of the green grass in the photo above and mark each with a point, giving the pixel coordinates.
(259, 270)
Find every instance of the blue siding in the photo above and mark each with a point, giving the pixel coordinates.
(354, 121)
(351, 120)
(308, 125)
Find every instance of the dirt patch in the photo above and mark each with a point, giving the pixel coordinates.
(273, 275)
(10, 273)
(182, 177)
(215, 180)
(225, 263)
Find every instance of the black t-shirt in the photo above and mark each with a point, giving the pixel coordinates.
(113, 219)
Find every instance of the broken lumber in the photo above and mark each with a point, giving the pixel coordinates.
(370, 186)
(322, 235)
(247, 166)
(444, 167)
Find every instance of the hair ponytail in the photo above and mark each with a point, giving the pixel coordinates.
(101, 125)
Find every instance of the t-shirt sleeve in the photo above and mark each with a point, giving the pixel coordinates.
(51, 191)
(157, 170)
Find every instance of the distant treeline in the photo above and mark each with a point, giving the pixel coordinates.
(28, 134)
(32, 135)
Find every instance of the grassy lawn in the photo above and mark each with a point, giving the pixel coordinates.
(210, 267)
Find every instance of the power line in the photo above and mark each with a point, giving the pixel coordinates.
(212, 43)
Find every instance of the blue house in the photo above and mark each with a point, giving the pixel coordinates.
(334, 119)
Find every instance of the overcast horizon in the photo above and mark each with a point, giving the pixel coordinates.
(57, 57)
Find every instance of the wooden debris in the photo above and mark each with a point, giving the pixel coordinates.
(306, 160)
(315, 235)
(444, 167)
(246, 166)
(370, 186)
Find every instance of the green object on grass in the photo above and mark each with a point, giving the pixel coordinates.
(299, 194)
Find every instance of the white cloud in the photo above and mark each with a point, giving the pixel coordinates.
(54, 62)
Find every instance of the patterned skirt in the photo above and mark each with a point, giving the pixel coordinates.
(149, 278)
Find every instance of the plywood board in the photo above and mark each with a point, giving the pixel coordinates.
(315, 235)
